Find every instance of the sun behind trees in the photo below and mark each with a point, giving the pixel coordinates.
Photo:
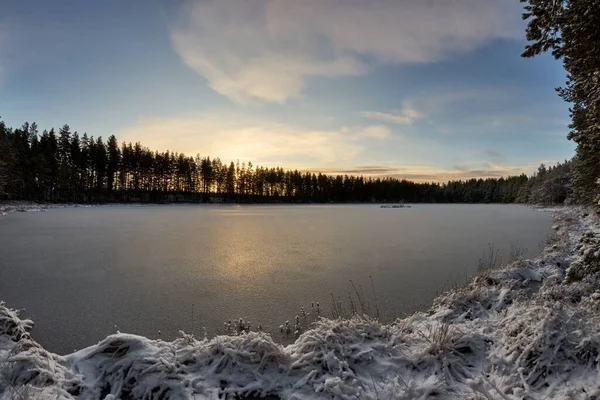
(65, 167)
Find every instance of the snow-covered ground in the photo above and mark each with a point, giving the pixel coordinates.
(512, 333)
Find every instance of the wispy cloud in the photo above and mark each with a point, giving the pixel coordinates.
(432, 106)
(406, 116)
(427, 173)
(264, 142)
(265, 50)
(375, 132)
(493, 154)
(233, 135)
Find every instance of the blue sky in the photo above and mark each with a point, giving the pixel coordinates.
(427, 90)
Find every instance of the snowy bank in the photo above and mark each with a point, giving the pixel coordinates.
(523, 331)
(7, 207)
(20, 206)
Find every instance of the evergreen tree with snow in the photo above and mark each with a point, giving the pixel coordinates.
(570, 30)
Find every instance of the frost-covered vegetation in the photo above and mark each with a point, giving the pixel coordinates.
(521, 331)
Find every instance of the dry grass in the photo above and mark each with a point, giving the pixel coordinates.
(490, 259)
(358, 304)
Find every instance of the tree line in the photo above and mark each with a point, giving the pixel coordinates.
(66, 167)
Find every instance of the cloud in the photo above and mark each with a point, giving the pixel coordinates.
(375, 132)
(359, 170)
(265, 50)
(493, 153)
(427, 173)
(235, 137)
(406, 116)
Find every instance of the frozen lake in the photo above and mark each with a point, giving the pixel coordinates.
(83, 273)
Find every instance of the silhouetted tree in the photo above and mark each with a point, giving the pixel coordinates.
(114, 161)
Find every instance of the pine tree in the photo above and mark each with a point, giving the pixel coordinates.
(206, 169)
(100, 165)
(230, 181)
(5, 160)
(569, 29)
(75, 163)
(114, 159)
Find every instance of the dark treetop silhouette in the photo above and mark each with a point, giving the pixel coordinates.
(65, 167)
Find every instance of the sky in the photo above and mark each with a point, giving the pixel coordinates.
(427, 90)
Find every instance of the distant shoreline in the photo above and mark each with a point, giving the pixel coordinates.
(10, 206)
(24, 204)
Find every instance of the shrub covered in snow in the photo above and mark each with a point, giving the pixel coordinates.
(588, 262)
